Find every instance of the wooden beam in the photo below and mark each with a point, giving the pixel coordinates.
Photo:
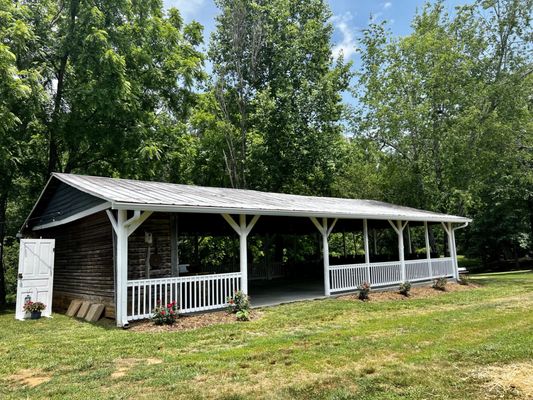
(112, 220)
(134, 222)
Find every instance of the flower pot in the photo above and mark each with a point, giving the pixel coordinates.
(35, 315)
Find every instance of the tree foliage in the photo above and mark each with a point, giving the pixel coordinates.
(441, 118)
(278, 92)
(449, 107)
(94, 87)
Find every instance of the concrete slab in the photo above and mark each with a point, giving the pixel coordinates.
(73, 308)
(95, 312)
(82, 312)
(270, 293)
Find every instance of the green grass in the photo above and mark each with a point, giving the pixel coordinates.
(326, 349)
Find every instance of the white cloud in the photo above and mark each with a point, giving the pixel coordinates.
(188, 8)
(388, 4)
(347, 45)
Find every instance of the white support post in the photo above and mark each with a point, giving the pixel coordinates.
(401, 249)
(242, 229)
(325, 253)
(243, 260)
(428, 249)
(454, 249)
(451, 245)
(123, 228)
(456, 263)
(367, 252)
(398, 228)
(325, 231)
(122, 269)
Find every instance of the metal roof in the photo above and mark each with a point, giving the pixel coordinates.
(158, 196)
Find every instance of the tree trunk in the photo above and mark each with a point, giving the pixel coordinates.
(3, 206)
(54, 127)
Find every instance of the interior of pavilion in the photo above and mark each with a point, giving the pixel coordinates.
(284, 253)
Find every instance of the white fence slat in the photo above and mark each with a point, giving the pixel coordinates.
(192, 293)
(351, 276)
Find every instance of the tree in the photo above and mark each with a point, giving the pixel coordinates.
(279, 88)
(93, 87)
(449, 105)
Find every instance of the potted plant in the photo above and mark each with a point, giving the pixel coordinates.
(34, 308)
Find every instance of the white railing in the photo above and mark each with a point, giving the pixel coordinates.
(347, 277)
(385, 273)
(442, 267)
(351, 276)
(417, 270)
(191, 293)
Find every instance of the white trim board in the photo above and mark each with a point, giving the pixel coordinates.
(284, 213)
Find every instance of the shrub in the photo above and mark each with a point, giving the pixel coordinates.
(364, 290)
(242, 315)
(464, 280)
(405, 288)
(239, 304)
(440, 283)
(165, 315)
(34, 306)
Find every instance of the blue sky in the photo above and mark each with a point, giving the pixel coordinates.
(350, 17)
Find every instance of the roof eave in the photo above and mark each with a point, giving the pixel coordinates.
(281, 213)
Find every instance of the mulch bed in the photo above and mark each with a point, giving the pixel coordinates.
(195, 321)
(417, 292)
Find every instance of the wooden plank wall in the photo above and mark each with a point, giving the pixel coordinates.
(158, 224)
(83, 262)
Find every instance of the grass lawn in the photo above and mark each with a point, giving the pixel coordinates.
(474, 344)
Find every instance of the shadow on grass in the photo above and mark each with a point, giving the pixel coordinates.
(8, 310)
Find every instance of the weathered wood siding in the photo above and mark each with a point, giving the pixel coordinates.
(63, 201)
(83, 262)
(158, 224)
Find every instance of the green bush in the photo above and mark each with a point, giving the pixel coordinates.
(165, 315)
(242, 315)
(440, 283)
(464, 280)
(405, 288)
(239, 304)
(364, 291)
(11, 254)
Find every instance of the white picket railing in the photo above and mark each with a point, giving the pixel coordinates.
(351, 276)
(347, 277)
(385, 273)
(191, 293)
(442, 267)
(417, 270)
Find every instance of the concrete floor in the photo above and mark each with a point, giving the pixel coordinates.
(269, 293)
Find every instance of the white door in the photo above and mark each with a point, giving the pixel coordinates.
(36, 274)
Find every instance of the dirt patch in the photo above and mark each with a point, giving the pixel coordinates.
(123, 365)
(417, 292)
(507, 380)
(189, 322)
(30, 377)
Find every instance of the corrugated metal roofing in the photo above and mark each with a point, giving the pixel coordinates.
(159, 196)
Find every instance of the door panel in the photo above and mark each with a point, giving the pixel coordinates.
(36, 273)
